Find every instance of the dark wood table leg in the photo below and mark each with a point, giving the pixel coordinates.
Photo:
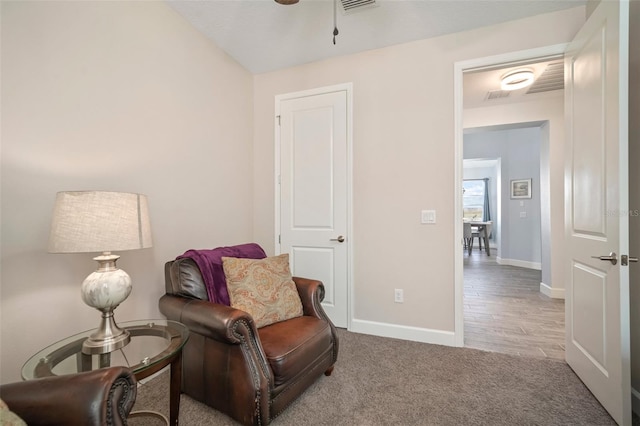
(486, 242)
(175, 389)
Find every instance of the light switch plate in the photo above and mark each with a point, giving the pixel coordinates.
(428, 216)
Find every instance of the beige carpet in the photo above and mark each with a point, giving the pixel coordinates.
(380, 381)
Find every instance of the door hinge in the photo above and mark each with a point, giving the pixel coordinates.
(278, 117)
(279, 179)
(279, 239)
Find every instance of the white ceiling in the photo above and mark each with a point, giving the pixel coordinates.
(263, 35)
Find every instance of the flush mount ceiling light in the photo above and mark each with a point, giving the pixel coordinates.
(517, 79)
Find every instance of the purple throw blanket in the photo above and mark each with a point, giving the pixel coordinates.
(210, 264)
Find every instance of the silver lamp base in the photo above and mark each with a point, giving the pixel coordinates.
(108, 338)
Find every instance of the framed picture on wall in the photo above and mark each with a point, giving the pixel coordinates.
(521, 188)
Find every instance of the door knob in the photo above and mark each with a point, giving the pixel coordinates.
(340, 239)
(624, 259)
(611, 258)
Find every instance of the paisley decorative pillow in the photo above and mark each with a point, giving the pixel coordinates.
(8, 417)
(263, 288)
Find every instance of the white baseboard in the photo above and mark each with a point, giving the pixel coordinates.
(554, 293)
(416, 334)
(635, 401)
(519, 263)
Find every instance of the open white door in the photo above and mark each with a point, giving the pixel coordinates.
(314, 191)
(597, 224)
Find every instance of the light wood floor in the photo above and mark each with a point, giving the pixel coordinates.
(504, 310)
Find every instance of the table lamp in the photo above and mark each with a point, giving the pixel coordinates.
(101, 221)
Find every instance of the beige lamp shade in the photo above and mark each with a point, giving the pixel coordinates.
(99, 221)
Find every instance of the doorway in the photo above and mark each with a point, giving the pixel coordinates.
(504, 309)
(549, 122)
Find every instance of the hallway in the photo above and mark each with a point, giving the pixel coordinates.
(504, 310)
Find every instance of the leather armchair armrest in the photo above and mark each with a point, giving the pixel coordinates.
(311, 294)
(212, 320)
(221, 323)
(97, 397)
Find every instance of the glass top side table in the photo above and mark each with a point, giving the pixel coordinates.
(154, 345)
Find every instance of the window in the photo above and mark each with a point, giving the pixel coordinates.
(473, 199)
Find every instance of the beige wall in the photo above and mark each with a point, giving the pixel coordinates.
(591, 6)
(114, 96)
(403, 161)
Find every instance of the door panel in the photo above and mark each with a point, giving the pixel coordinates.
(313, 193)
(588, 110)
(597, 297)
(312, 168)
(319, 263)
(588, 313)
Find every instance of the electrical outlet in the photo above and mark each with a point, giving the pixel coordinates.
(398, 295)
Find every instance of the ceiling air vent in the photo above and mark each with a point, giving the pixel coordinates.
(352, 6)
(552, 78)
(497, 94)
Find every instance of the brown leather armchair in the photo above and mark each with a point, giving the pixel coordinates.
(98, 397)
(250, 374)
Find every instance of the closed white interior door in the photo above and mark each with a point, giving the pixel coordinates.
(596, 176)
(313, 185)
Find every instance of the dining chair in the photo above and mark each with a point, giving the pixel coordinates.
(468, 236)
(476, 232)
(482, 233)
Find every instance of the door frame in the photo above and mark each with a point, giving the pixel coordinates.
(348, 88)
(459, 68)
